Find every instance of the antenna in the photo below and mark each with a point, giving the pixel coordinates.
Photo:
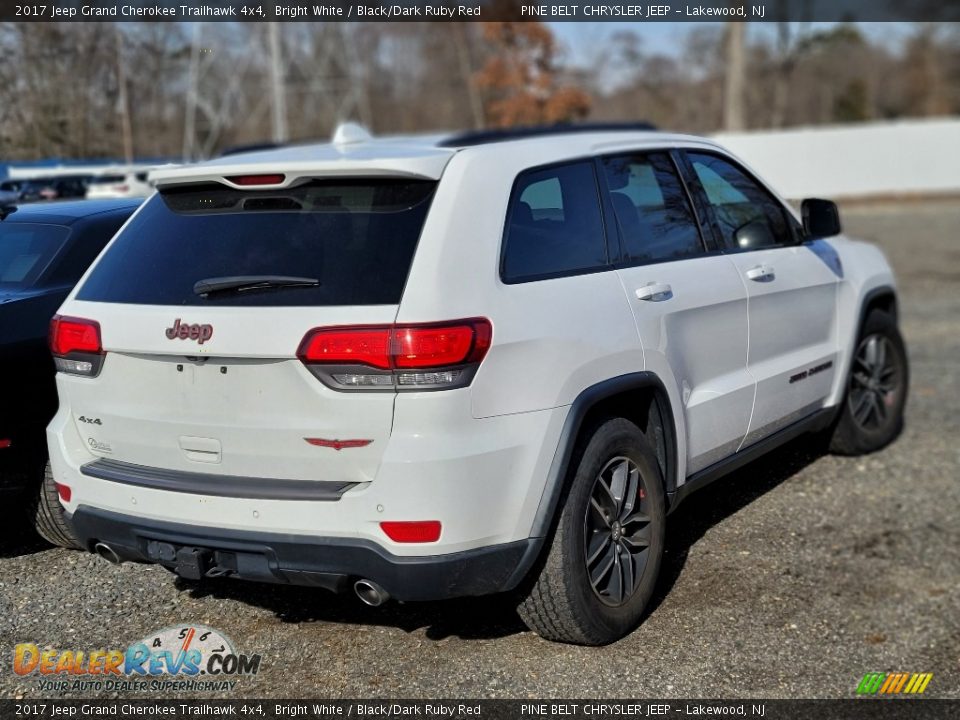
(350, 134)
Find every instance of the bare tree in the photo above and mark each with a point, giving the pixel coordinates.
(462, 43)
(924, 69)
(735, 78)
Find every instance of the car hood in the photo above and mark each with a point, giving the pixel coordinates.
(25, 315)
(8, 296)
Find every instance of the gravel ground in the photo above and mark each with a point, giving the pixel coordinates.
(791, 578)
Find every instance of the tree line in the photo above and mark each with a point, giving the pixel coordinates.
(89, 90)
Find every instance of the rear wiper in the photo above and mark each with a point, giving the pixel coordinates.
(244, 283)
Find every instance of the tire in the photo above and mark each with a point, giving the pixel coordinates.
(567, 602)
(872, 413)
(48, 516)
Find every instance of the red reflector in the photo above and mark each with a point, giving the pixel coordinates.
(275, 179)
(363, 346)
(338, 444)
(64, 492)
(5, 443)
(70, 334)
(419, 531)
(400, 346)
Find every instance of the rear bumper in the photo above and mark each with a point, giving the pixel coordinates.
(331, 563)
(482, 479)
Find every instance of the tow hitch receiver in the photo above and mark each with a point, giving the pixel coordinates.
(193, 563)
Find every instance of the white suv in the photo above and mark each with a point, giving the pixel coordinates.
(437, 367)
(125, 185)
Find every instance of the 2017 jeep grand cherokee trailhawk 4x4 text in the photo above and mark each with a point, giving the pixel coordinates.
(428, 368)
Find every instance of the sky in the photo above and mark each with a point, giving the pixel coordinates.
(583, 39)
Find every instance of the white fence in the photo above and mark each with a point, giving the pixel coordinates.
(30, 172)
(860, 160)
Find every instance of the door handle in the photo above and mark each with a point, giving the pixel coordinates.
(761, 273)
(655, 292)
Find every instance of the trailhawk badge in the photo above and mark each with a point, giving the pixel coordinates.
(184, 331)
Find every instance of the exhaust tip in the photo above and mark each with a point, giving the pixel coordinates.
(370, 593)
(107, 553)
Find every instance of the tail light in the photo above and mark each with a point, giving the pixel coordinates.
(432, 356)
(76, 346)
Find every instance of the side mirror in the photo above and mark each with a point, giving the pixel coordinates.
(820, 218)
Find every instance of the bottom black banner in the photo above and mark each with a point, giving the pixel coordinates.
(853, 709)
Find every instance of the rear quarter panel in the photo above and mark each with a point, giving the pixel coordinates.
(551, 338)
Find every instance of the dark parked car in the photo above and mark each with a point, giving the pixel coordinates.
(44, 249)
(10, 191)
(67, 187)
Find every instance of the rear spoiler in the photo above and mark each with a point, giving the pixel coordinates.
(415, 163)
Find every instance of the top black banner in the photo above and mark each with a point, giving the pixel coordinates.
(479, 11)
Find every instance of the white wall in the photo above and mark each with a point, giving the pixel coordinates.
(881, 158)
(30, 172)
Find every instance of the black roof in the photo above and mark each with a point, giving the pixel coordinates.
(68, 212)
(483, 137)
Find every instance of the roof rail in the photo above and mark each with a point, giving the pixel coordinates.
(482, 137)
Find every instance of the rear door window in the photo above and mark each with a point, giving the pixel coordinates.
(653, 212)
(26, 249)
(554, 224)
(356, 238)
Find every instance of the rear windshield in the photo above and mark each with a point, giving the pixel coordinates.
(356, 238)
(26, 249)
(107, 179)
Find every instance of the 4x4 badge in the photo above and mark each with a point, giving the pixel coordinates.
(200, 333)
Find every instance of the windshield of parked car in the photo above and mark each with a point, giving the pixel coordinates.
(26, 250)
(108, 179)
(36, 185)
